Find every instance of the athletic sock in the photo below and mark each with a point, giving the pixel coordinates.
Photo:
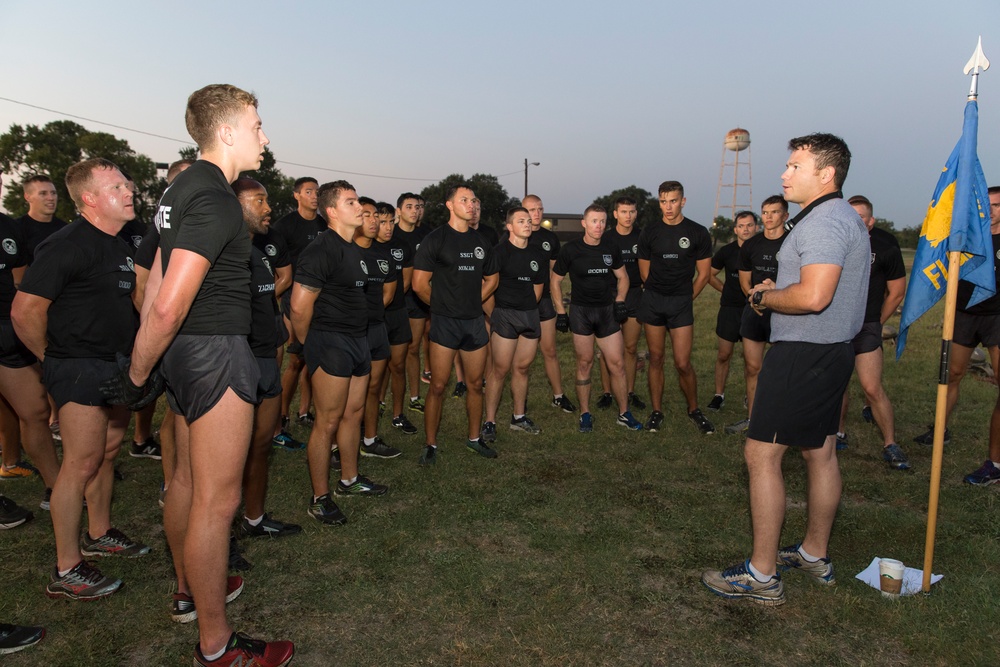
(556, 397)
(349, 482)
(63, 573)
(369, 442)
(518, 418)
(253, 522)
(757, 574)
(216, 656)
(840, 434)
(806, 556)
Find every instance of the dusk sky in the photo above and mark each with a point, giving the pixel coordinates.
(603, 95)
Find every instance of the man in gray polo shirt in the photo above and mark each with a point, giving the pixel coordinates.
(818, 305)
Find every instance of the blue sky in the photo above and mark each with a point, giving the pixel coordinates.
(603, 95)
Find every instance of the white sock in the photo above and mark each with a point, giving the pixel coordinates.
(757, 574)
(216, 656)
(556, 397)
(348, 482)
(721, 395)
(518, 417)
(806, 556)
(63, 573)
(840, 435)
(414, 398)
(254, 522)
(369, 441)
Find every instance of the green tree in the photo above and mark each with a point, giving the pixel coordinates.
(493, 197)
(278, 186)
(721, 230)
(52, 149)
(647, 206)
(908, 237)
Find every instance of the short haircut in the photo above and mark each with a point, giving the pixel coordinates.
(531, 197)
(246, 184)
(177, 167)
(329, 193)
(829, 151)
(449, 194)
(35, 178)
(420, 198)
(299, 182)
(367, 201)
(775, 199)
(861, 200)
(993, 190)
(212, 106)
(670, 186)
(624, 201)
(746, 214)
(384, 208)
(406, 195)
(514, 210)
(79, 176)
(594, 208)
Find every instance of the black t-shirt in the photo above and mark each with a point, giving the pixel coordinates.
(11, 257)
(273, 247)
(489, 233)
(759, 256)
(402, 258)
(887, 264)
(629, 246)
(591, 270)
(458, 261)
(673, 252)
(146, 253)
(34, 232)
(728, 258)
(381, 269)
(199, 213)
(520, 270)
(335, 267)
(990, 306)
(548, 241)
(263, 336)
(133, 233)
(88, 277)
(297, 233)
(410, 241)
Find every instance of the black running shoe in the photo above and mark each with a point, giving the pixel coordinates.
(13, 515)
(866, 414)
(306, 420)
(14, 638)
(335, 459)
(379, 450)
(655, 421)
(460, 390)
(237, 563)
(267, 527)
(927, 439)
(324, 510)
(112, 543)
(481, 448)
(488, 433)
(429, 456)
(717, 402)
(563, 404)
(702, 422)
(401, 423)
(147, 449)
(362, 486)
(605, 401)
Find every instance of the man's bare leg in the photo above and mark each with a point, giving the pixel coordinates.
(255, 473)
(869, 367)
(24, 392)
(722, 359)
(474, 364)
(767, 501)
(331, 399)
(656, 338)
(503, 357)
(349, 428)
(753, 359)
(547, 344)
(413, 366)
(680, 342)
(441, 359)
(613, 354)
(631, 329)
(583, 347)
(823, 472)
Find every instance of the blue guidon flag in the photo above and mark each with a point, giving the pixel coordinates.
(958, 218)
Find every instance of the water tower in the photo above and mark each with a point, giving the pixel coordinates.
(734, 175)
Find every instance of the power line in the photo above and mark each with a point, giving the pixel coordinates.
(189, 143)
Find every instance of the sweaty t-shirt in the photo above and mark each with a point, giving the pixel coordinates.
(591, 270)
(133, 233)
(88, 277)
(199, 213)
(728, 258)
(458, 262)
(886, 264)
(990, 306)
(297, 233)
(673, 252)
(34, 232)
(520, 270)
(402, 258)
(629, 246)
(11, 257)
(548, 242)
(381, 269)
(146, 253)
(334, 266)
(759, 256)
(263, 336)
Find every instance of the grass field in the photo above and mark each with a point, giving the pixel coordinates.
(568, 549)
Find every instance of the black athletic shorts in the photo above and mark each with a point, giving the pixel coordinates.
(13, 353)
(727, 323)
(77, 380)
(397, 326)
(546, 311)
(285, 303)
(632, 299)
(279, 325)
(755, 327)
(672, 312)
(269, 384)
(199, 370)
(456, 334)
(799, 393)
(509, 323)
(415, 308)
(868, 339)
(378, 341)
(971, 330)
(593, 321)
(338, 354)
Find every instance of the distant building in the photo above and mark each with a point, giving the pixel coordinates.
(566, 225)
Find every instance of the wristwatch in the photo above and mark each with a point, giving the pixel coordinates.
(756, 299)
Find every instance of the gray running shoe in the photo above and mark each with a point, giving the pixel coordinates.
(379, 449)
(481, 448)
(894, 456)
(83, 582)
(488, 433)
(524, 424)
(112, 543)
(362, 486)
(739, 427)
(821, 571)
(737, 583)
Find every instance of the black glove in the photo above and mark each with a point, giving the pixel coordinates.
(120, 390)
(562, 322)
(295, 348)
(621, 312)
